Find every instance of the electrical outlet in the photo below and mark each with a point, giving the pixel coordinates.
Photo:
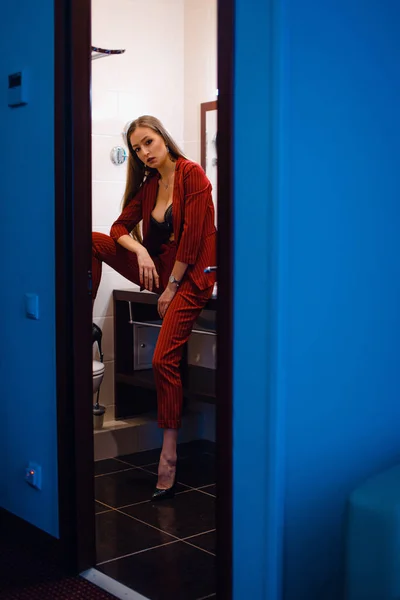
(33, 475)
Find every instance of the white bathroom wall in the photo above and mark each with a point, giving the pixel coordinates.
(147, 79)
(168, 69)
(200, 67)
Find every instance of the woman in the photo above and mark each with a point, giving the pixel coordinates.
(171, 196)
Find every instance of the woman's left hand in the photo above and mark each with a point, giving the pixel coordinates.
(165, 300)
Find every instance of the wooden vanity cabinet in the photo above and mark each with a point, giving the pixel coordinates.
(136, 323)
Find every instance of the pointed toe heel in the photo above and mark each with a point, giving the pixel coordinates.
(167, 494)
(160, 494)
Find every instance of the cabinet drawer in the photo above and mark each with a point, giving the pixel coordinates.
(202, 346)
(202, 350)
(145, 339)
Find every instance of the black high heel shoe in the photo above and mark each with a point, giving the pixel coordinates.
(97, 334)
(167, 494)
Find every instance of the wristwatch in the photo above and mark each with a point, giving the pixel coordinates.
(175, 281)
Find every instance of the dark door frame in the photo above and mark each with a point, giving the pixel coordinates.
(73, 285)
(73, 177)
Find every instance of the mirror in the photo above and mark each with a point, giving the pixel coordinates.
(208, 143)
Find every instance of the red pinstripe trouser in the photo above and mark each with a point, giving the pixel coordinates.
(177, 324)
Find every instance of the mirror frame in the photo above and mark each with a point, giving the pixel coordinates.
(204, 108)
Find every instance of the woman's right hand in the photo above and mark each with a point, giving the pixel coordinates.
(148, 275)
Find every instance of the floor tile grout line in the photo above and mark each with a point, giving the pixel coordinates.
(104, 562)
(104, 504)
(178, 482)
(152, 464)
(124, 462)
(200, 489)
(198, 548)
(181, 457)
(144, 468)
(189, 537)
(147, 501)
(129, 505)
(148, 524)
(120, 510)
(114, 472)
(176, 538)
(137, 503)
(205, 493)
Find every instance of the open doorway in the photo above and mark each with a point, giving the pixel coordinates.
(137, 537)
(75, 317)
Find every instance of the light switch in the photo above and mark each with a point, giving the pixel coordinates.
(17, 89)
(32, 306)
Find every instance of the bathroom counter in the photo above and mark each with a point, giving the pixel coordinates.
(146, 297)
(136, 327)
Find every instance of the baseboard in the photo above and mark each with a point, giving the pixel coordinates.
(21, 533)
(137, 435)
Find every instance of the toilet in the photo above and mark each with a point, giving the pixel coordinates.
(98, 374)
(98, 410)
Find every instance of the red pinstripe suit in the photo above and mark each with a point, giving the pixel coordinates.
(194, 244)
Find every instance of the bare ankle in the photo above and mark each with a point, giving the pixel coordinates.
(168, 458)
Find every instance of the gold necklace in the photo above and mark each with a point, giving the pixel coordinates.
(166, 185)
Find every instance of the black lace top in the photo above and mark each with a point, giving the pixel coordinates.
(168, 223)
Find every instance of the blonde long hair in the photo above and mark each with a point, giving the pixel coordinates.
(137, 172)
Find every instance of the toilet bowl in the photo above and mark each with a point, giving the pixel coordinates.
(98, 374)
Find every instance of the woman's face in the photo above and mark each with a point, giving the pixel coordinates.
(149, 147)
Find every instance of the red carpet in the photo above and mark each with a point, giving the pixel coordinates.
(25, 577)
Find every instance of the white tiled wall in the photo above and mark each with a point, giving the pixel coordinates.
(200, 68)
(168, 69)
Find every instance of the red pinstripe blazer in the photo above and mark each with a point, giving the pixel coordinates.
(193, 215)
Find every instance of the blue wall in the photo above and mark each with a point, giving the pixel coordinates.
(316, 163)
(27, 364)
(342, 164)
(329, 375)
(258, 467)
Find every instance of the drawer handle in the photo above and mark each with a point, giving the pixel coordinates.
(143, 345)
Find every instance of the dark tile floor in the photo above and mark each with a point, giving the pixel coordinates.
(165, 550)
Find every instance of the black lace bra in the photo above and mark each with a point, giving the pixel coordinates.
(168, 224)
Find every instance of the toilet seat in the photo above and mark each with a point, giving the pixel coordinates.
(98, 368)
